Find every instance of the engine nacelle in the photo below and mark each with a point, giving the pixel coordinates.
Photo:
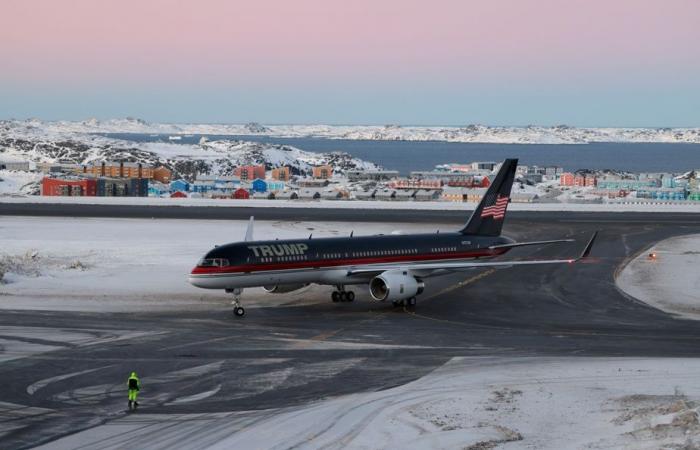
(394, 285)
(283, 288)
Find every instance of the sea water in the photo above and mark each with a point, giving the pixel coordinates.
(406, 156)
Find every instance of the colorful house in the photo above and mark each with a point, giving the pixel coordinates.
(203, 186)
(162, 174)
(71, 187)
(275, 186)
(250, 172)
(241, 194)
(119, 170)
(281, 173)
(259, 185)
(180, 185)
(566, 179)
(157, 189)
(322, 172)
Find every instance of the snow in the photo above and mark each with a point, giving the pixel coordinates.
(670, 281)
(687, 206)
(470, 402)
(17, 181)
(470, 133)
(482, 402)
(133, 264)
(50, 142)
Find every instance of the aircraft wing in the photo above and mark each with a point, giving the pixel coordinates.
(471, 264)
(524, 244)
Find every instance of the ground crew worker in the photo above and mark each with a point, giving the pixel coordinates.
(134, 386)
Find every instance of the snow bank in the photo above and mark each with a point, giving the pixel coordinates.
(472, 403)
(670, 281)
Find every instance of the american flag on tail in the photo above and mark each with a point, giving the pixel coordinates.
(496, 208)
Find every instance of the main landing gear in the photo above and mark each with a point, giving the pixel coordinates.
(409, 302)
(341, 295)
(238, 309)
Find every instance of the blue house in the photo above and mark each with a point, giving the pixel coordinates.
(275, 186)
(259, 185)
(180, 185)
(156, 189)
(203, 186)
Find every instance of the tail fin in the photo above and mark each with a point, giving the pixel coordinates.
(487, 218)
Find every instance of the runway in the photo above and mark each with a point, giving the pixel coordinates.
(285, 356)
(330, 214)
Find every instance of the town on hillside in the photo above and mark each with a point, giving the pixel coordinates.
(448, 183)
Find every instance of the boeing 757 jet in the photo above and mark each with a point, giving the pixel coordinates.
(395, 267)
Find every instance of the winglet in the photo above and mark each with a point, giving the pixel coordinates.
(249, 230)
(587, 251)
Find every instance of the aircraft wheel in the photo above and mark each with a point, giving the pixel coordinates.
(343, 296)
(350, 296)
(335, 296)
(411, 301)
(238, 311)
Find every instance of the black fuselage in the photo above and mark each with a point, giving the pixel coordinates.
(328, 252)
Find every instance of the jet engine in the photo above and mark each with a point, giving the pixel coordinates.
(394, 285)
(283, 288)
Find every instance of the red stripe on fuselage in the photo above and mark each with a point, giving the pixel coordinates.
(324, 263)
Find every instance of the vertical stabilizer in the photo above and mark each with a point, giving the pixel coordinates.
(487, 218)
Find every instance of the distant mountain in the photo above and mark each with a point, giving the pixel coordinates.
(560, 134)
(68, 142)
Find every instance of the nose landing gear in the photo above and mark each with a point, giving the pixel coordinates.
(238, 310)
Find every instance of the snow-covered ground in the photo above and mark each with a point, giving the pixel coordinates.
(132, 264)
(469, 403)
(687, 206)
(49, 142)
(470, 133)
(18, 181)
(671, 281)
(474, 403)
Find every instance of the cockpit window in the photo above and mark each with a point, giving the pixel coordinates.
(213, 262)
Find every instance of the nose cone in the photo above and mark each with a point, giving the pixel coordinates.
(195, 279)
(206, 277)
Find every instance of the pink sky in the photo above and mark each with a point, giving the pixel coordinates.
(213, 41)
(592, 62)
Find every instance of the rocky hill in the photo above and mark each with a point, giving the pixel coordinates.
(43, 142)
(558, 134)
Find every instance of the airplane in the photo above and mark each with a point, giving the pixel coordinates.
(395, 267)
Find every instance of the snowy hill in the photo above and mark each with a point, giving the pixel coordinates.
(561, 134)
(38, 141)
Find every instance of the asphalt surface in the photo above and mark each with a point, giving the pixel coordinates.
(330, 214)
(204, 362)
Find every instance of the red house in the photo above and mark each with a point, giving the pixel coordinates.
(69, 187)
(566, 179)
(178, 194)
(241, 194)
(250, 172)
